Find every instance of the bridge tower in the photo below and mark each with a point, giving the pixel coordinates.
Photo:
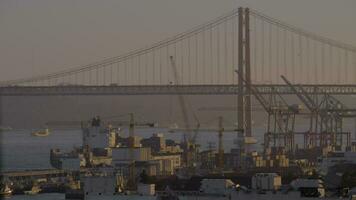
(244, 96)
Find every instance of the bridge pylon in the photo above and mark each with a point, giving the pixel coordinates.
(244, 70)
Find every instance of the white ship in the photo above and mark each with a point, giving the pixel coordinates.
(6, 128)
(41, 133)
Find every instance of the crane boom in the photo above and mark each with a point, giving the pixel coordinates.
(181, 102)
(307, 101)
(265, 104)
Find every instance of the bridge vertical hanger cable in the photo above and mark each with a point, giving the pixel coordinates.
(315, 63)
(300, 52)
(160, 66)
(225, 53)
(322, 61)
(293, 55)
(331, 64)
(218, 53)
(211, 54)
(167, 60)
(203, 57)
(153, 67)
(146, 68)
(84, 78)
(285, 53)
(277, 56)
(111, 73)
(346, 66)
(270, 52)
(125, 72)
(133, 79)
(354, 67)
(233, 48)
(76, 78)
(139, 69)
(90, 77)
(308, 60)
(263, 50)
(182, 60)
(255, 49)
(104, 75)
(338, 65)
(118, 73)
(196, 60)
(189, 63)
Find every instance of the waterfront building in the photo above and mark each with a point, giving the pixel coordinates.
(169, 162)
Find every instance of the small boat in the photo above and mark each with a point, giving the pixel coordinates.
(173, 127)
(41, 133)
(6, 128)
(34, 190)
(5, 191)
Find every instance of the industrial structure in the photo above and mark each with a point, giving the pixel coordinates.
(203, 61)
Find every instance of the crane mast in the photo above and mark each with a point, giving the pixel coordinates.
(189, 146)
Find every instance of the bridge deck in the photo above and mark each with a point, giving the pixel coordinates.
(166, 90)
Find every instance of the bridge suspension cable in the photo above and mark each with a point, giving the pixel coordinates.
(207, 54)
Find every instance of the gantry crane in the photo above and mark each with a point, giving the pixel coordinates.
(326, 118)
(281, 119)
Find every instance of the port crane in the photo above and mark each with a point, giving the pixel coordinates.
(189, 140)
(326, 118)
(280, 121)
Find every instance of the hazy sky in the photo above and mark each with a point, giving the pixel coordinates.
(42, 36)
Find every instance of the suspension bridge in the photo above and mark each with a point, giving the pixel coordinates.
(206, 58)
(259, 48)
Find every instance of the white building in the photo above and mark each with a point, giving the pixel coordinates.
(266, 181)
(168, 162)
